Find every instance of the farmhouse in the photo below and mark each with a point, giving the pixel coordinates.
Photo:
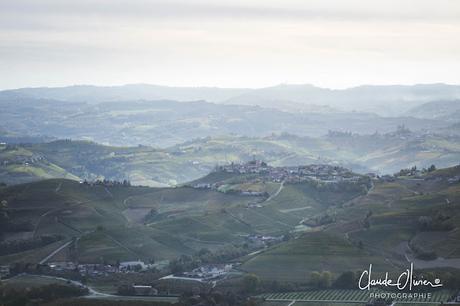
(144, 290)
(260, 241)
(62, 266)
(209, 271)
(96, 269)
(133, 266)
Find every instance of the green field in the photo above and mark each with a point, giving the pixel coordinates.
(30, 281)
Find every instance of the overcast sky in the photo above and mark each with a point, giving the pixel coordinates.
(229, 43)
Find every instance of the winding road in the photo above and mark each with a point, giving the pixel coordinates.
(44, 260)
(276, 193)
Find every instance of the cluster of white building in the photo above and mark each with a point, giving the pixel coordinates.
(262, 241)
(204, 273)
(208, 272)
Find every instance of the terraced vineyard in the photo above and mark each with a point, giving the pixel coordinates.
(349, 296)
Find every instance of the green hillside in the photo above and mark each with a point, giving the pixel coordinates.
(330, 228)
(109, 221)
(19, 165)
(410, 219)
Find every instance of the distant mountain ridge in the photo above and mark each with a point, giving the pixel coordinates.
(387, 100)
(97, 94)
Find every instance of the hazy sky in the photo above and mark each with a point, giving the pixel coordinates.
(228, 43)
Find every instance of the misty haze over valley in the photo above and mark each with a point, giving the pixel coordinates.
(368, 128)
(229, 153)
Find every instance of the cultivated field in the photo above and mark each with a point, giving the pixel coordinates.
(360, 297)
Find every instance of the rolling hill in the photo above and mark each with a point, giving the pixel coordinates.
(143, 165)
(446, 110)
(164, 123)
(333, 227)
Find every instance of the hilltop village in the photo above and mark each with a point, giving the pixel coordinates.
(326, 174)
